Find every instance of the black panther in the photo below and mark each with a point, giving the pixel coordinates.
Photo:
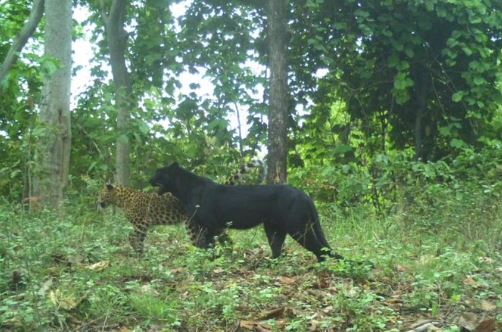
(211, 208)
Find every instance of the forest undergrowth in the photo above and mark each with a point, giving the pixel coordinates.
(437, 265)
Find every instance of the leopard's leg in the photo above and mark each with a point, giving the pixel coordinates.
(137, 237)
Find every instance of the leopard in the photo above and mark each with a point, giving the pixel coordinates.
(143, 210)
(147, 209)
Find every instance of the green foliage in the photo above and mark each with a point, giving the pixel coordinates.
(19, 97)
(153, 309)
(219, 40)
(363, 73)
(405, 81)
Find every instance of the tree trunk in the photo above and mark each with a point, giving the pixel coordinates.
(239, 129)
(37, 11)
(117, 45)
(55, 143)
(277, 13)
(420, 96)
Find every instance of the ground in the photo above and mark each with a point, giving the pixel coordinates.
(78, 273)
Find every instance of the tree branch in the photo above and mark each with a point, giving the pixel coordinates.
(117, 12)
(104, 15)
(26, 32)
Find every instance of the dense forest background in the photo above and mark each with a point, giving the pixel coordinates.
(377, 91)
(386, 112)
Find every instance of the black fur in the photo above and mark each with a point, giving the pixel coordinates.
(212, 207)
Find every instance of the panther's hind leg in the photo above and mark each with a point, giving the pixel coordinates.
(327, 251)
(224, 239)
(199, 235)
(310, 240)
(275, 238)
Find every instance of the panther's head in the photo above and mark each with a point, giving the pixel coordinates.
(165, 178)
(107, 195)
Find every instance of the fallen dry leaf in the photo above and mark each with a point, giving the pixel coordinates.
(63, 301)
(99, 266)
(147, 289)
(486, 260)
(253, 325)
(45, 287)
(488, 306)
(468, 320)
(323, 281)
(260, 328)
(66, 301)
(428, 327)
(178, 270)
(400, 268)
(469, 281)
(287, 280)
(489, 325)
(426, 259)
(395, 302)
(274, 313)
(248, 324)
(314, 325)
(328, 309)
(419, 323)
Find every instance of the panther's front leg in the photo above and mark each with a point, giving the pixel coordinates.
(223, 238)
(198, 235)
(137, 237)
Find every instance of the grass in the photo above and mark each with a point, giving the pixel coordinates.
(78, 273)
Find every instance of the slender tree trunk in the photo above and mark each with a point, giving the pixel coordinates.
(117, 45)
(37, 11)
(420, 96)
(54, 152)
(277, 13)
(239, 128)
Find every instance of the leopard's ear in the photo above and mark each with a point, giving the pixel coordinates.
(109, 186)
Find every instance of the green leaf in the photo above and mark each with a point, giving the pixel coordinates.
(457, 96)
(409, 52)
(429, 5)
(387, 33)
(467, 50)
(143, 127)
(457, 143)
(361, 13)
(479, 80)
(341, 149)
(15, 173)
(445, 131)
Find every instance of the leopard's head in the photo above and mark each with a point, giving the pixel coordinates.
(108, 195)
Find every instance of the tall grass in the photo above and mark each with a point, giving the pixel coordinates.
(423, 252)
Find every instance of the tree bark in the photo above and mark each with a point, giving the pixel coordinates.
(54, 152)
(277, 13)
(117, 45)
(37, 11)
